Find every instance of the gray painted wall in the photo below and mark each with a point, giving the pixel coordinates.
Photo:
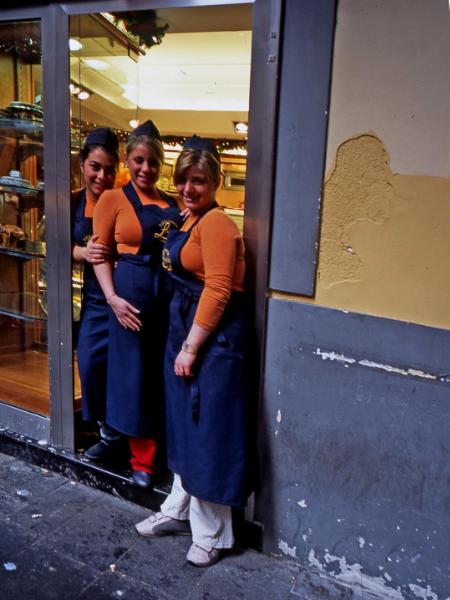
(356, 430)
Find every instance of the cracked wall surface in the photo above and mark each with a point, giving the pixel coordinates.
(384, 243)
(384, 246)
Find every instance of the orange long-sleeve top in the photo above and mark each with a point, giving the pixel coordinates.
(116, 223)
(214, 253)
(91, 203)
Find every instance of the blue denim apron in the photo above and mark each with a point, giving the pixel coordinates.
(92, 348)
(206, 413)
(135, 358)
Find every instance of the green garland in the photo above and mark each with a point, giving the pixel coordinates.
(141, 25)
(224, 146)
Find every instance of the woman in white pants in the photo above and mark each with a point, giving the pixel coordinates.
(204, 365)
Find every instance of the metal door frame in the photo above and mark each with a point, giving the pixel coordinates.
(259, 188)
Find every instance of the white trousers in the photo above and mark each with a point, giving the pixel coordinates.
(210, 523)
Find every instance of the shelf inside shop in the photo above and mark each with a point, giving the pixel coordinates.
(18, 253)
(20, 315)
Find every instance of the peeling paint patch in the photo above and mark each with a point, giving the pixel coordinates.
(346, 360)
(358, 189)
(420, 592)
(286, 549)
(314, 561)
(302, 503)
(368, 208)
(390, 369)
(353, 577)
(361, 542)
(279, 416)
(334, 356)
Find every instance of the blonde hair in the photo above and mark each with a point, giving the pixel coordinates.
(153, 144)
(202, 160)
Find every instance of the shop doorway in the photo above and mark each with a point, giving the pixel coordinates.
(186, 69)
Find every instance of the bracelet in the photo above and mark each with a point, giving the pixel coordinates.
(112, 296)
(187, 347)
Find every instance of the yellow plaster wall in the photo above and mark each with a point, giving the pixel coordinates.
(385, 238)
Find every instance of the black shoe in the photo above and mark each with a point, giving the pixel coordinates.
(142, 479)
(102, 451)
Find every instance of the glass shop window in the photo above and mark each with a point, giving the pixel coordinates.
(24, 380)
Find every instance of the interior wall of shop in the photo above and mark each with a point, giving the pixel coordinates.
(355, 409)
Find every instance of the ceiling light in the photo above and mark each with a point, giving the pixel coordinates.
(81, 92)
(74, 45)
(240, 127)
(74, 89)
(133, 123)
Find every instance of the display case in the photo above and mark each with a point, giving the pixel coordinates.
(24, 380)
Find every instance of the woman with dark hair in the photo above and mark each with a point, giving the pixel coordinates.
(99, 159)
(204, 366)
(132, 222)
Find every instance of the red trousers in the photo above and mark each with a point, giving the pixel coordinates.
(143, 452)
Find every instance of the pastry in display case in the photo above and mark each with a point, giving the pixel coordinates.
(23, 118)
(14, 182)
(11, 236)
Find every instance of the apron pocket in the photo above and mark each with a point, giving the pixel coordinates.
(194, 396)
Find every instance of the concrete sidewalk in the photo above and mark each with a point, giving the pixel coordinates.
(63, 540)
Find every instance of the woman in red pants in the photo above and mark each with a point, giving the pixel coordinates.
(132, 222)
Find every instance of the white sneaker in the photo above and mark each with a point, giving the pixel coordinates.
(157, 525)
(200, 557)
